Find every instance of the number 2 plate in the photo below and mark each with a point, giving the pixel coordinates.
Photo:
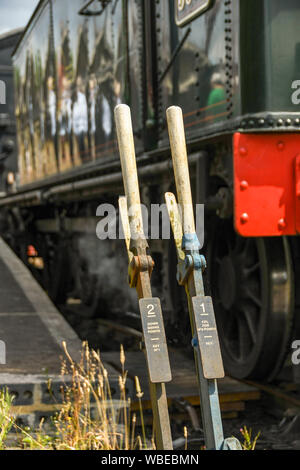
(207, 337)
(155, 341)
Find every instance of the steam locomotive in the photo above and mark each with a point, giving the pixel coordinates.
(233, 66)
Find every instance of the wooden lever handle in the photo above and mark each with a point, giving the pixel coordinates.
(181, 168)
(129, 169)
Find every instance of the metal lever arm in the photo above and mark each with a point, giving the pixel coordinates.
(140, 268)
(129, 169)
(205, 341)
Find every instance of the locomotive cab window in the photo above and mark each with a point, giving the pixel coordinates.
(187, 10)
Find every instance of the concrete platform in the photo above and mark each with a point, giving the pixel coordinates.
(32, 331)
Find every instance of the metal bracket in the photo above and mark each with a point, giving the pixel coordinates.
(138, 264)
(191, 262)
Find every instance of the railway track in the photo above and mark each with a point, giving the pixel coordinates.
(284, 391)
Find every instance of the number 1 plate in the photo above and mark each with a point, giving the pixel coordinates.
(207, 337)
(155, 341)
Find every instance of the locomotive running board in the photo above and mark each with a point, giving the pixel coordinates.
(140, 269)
(208, 359)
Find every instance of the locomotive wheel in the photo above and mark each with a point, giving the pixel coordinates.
(252, 289)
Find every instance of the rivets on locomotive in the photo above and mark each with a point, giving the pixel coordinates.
(228, 58)
(243, 151)
(244, 185)
(281, 224)
(244, 218)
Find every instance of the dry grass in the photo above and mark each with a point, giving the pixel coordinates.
(89, 418)
(6, 419)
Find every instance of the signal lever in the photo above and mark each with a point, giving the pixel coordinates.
(191, 264)
(140, 269)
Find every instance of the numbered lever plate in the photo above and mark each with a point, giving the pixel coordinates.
(207, 337)
(155, 340)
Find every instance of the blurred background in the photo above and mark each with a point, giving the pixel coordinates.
(15, 13)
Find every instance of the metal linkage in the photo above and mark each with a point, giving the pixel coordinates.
(191, 264)
(140, 269)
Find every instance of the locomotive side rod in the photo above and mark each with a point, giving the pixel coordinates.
(191, 264)
(140, 269)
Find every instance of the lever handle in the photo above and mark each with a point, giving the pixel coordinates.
(181, 168)
(129, 169)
